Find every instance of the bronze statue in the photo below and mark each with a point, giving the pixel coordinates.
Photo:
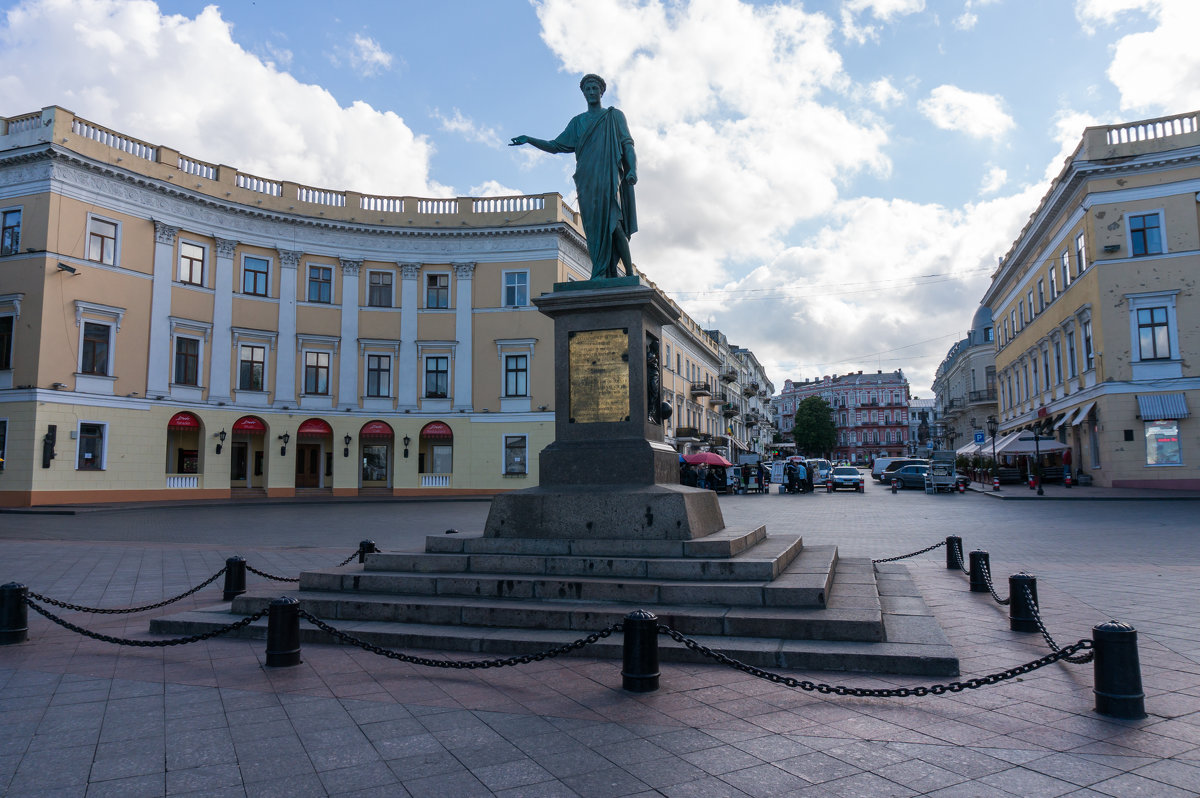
(605, 173)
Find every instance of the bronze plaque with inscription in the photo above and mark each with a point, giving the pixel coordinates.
(599, 376)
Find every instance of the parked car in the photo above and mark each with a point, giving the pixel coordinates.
(847, 477)
(909, 476)
(886, 476)
(882, 463)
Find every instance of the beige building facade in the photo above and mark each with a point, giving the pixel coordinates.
(1096, 313)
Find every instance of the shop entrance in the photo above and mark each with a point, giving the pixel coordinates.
(308, 465)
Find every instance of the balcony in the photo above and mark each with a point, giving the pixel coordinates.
(701, 389)
(982, 396)
(729, 411)
(750, 389)
(719, 397)
(687, 434)
(720, 440)
(729, 375)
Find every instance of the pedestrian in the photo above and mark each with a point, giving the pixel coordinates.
(802, 483)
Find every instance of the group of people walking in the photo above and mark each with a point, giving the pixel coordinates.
(798, 478)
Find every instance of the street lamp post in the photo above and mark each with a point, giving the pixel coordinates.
(992, 427)
(1037, 455)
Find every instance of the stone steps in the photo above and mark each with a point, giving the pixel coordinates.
(727, 542)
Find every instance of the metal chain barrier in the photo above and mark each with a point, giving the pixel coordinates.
(912, 554)
(122, 641)
(254, 570)
(123, 610)
(1037, 616)
(958, 559)
(894, 692)
(348, 559)
(987, 580)
(523, 659)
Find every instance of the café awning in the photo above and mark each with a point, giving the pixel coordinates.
(250, 425)
(183, 421)
(1083, 413)
(376, 431)
(437, 431)
(314, 428)
(1161, 406)
(1012, 444)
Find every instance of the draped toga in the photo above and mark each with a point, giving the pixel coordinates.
(599, 141)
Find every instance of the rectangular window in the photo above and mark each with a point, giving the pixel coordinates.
(1154, 341)
(437, 377)
(1053, 285)
(516, 289)
(1089, 356)
(1021, 313)
(1015, 328)
(375, 463)
(91, 447)
(6, 342)
(379, 289)
(379, 375)
(187, 361)
(320, 284)
(254, 275)
(251, 366)
(1162, 443)
(1046, 368)
(1029, 301)
(1058, 372)
(515, 458)
(191, 264)
(1080, 260)
(437, 290)
(3, 441)
(441, 459)
(96, 343)
(102, 241)
(316, 373)
(10, 233)
(1145, 235)
(1041, 291)
(516, 375)
(1072, 366)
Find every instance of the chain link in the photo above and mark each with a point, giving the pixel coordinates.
(123, 610)
(958, 559)
(913, 554)
(122, 641)
(862, 692)
(254, 570)
(987, 580)
(348, 559)
(1037, 616)
(523, 659)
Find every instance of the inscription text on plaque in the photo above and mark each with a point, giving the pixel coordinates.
(599, 376)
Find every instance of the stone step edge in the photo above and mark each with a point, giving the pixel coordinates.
(894, 657)
(726, 542)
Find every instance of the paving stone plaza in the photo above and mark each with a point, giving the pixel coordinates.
(81, 717)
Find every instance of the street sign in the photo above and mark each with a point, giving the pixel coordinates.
(979, 436)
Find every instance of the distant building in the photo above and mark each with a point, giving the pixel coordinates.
(1096, 316)
(870, 412)
(964, 385)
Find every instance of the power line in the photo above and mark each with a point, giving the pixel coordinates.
(748, 294)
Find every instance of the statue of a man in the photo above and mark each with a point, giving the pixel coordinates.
(605, 173)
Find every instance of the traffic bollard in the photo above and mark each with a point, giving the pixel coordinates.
(364, 548)
(979, 565)
(14, 614)
(283, 633)
(953, 551)
(235, 577)
(995, 483)
(1031, 481)
(1067, 479)
(962, 487)
(895, 485)
(1118, 673)
(639, 673)
(1021, 607)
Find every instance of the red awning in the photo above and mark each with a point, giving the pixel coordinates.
(376, 431)
(437, 431)
(183, 421)
(314, 428)
(250, 424)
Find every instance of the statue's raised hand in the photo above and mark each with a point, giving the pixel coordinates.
(518, 141)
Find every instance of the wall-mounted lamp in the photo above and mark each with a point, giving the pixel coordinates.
(285, 438)
(407, 441)
(220, 436)
(346, 451)
(58, 386)
(62, 267)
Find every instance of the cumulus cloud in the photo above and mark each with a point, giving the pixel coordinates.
(993, 181)
(853, 12)
(1156, 71)
(120, 63)
(978, 115)
(884, 94)
(367, 56)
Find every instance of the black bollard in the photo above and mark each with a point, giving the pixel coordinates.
(640, 671)
(364, 548)
(979, 562)
(283, 633)
(1118, 674)
(235, 577)
(953, 551)
(1021, 609)
(14, 614)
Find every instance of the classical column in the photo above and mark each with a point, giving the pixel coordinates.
(285, 354)
(349, 360)
(407, 366)
(463, 318)
(158, 361)
(222, 342)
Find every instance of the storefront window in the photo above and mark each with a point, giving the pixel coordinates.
(374, 468)
(1162, 443)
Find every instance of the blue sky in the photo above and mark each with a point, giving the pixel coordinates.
(829, 183)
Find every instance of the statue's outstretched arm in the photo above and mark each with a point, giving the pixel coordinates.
(544, 146)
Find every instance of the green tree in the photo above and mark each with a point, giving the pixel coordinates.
(814, 433)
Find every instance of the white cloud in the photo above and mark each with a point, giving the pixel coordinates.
(239, 110)
(977, 115)
(367, 56)
(470, 130)
(1156, 71)
(884, 94)
(993, 181)
(966, 21)
(883, 11)
(492, 188)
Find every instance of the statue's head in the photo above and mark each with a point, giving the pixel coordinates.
(590, 78)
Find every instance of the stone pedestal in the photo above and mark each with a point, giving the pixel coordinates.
(608, 473)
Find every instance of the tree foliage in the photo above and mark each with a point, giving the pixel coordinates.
(814, 433)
